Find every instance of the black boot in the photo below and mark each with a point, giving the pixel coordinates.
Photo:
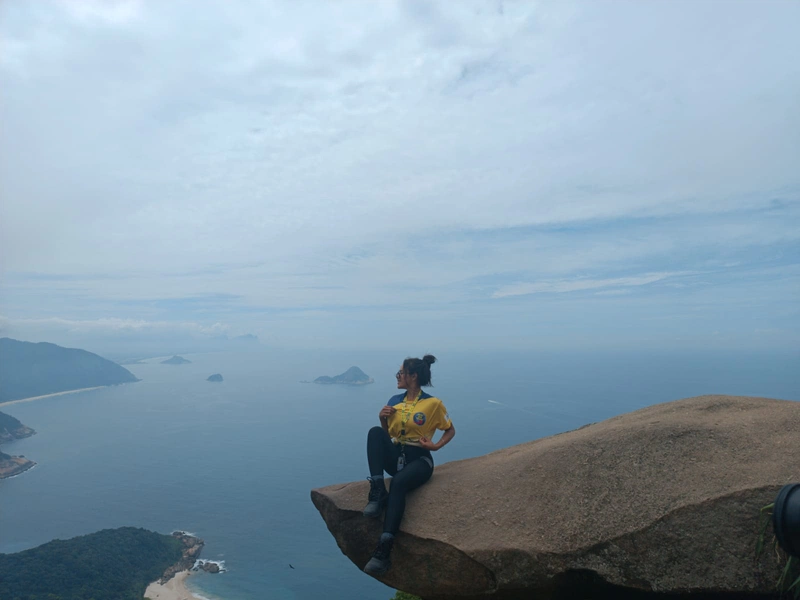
(377, 498)
(381, 559)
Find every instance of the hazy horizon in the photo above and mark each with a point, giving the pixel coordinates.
(473, 175)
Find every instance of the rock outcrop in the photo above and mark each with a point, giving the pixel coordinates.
(11, 466)
(664, 499)
(215, 378)
(192, 546)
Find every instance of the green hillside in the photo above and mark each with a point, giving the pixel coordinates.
(113, 563)
(8, 424)
(28, 369)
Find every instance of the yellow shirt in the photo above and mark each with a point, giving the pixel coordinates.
(416, 418)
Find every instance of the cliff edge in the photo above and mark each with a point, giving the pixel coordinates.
(663, 499)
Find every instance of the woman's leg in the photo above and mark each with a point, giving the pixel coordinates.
(381, 456)
(381, 452)
(410, 478)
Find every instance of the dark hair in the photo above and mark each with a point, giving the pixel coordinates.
(420, 368)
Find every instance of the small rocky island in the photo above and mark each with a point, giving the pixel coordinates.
(215, 377)
(353, 376)
(176, 360)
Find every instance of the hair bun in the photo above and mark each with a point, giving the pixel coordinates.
(429, 359)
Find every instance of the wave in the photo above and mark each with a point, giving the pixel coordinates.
(525, 410)
(28, 470)
(198, 564)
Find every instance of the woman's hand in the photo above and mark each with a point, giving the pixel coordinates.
(427, 444)
(386, 412)
(446, 437)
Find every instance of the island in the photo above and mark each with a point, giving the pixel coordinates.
(112, 563)
(176, 360)
(214, 377)
(353, 376)
(247, 338)
(29, 370)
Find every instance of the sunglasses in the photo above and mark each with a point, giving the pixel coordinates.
(399, 374)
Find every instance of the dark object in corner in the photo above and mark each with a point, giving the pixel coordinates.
(215, 377)
(175, 360)
(786, 518)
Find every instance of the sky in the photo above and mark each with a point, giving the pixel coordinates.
(442, 175)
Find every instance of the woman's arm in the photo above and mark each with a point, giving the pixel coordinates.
(448, 435)
(386, 412)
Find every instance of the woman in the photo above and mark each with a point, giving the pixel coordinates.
(402, 447)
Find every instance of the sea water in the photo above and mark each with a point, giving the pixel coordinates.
(234, 462)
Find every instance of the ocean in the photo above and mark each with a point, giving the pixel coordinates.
(234, 462)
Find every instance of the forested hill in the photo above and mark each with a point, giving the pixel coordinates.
(28, 369)
(113, 563)
(12, 429)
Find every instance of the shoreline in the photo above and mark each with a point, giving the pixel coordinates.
(174, 589)
(26, 466)
(32, 398)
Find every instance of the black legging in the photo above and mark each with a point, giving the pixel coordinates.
(382, 455)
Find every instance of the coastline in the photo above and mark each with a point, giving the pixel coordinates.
(23, 465)
(174, 589)
(32, 398)
(172, 584)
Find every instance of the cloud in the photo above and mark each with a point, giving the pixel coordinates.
(114, 326)
(575, 285)
(304, 156)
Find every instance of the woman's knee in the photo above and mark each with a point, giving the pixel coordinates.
(376, 432)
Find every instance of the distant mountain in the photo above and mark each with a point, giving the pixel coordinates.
(113, 563)
(353, 376)
(28, 370)
(12, 429)
(214, 377)
(176, 360)
(247, 337)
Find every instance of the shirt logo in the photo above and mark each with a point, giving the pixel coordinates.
(419, 418)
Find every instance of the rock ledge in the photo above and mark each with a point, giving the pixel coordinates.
(664, 499)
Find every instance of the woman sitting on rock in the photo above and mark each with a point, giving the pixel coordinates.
(402, 447)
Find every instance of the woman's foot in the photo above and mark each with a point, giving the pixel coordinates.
(377, 497)
(381, 558)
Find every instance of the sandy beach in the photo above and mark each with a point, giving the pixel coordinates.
(174, 589)
(51, 395)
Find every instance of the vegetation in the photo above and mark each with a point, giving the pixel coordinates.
(789, 580)
(12, 429)
(113, 563)
(9, 423)
(404, 596)
(28, 369)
